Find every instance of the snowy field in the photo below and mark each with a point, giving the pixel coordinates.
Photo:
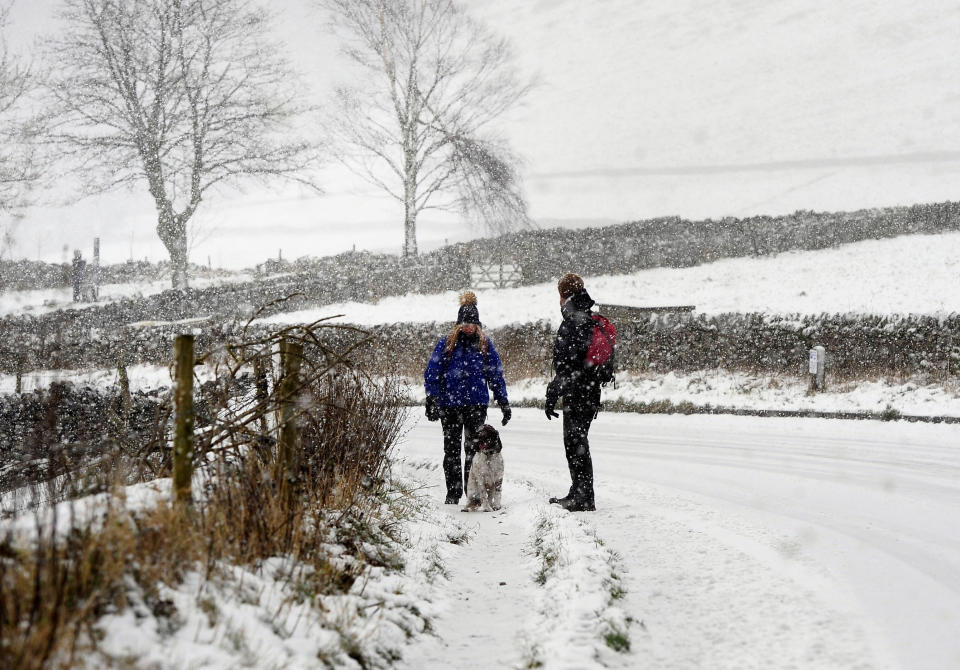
(42, 301)
(910, 274)
(875, 276)
(740, 543)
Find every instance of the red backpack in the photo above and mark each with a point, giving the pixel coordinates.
(600, 352)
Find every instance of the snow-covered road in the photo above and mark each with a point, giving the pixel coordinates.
(741, 542)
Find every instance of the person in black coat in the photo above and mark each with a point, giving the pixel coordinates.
(578, 386)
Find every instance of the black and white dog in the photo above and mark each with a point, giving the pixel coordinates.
(486, 473)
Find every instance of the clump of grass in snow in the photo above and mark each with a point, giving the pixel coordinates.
(616, 638)
(612, 581)
(890, 413)
(548, 551)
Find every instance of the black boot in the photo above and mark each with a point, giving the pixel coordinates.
(577, 505)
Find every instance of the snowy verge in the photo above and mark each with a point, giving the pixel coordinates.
(576, 612)
(716, 388)
(741, 391)
(530, 586)
(224, 615)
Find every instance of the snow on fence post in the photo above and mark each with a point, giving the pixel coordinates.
(183, 419)
(291, 355)
(818, 359)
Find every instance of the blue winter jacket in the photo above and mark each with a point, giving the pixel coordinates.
(461, 378)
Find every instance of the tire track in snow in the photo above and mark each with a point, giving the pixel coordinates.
(708, 603)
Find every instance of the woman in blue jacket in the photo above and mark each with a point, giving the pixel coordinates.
(463, 365)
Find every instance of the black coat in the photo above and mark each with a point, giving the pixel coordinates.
(573, 382)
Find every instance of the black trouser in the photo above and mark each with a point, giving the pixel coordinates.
(576, 424)
(460, 424)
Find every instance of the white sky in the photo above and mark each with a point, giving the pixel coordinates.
(643, 109)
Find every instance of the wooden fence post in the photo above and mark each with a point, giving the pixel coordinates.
(183, 419)
(291, 355)
(125, 402)
(263, 388)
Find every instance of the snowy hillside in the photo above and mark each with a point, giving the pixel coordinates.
(911, 274)
(643, 109)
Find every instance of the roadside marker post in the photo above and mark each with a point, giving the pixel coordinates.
(817, 369)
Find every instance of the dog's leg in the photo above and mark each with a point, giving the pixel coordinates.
(489, 481)
(484, 499)
(472, 485)
(496, 475)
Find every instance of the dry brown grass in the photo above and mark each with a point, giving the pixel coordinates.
(54, 588)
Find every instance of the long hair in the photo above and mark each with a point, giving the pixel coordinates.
(455, 333)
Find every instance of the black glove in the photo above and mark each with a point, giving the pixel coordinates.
(433, 411)
(551, 401)
(507, 413)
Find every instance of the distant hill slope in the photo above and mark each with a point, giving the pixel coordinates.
(911, 274)
(545, 254)
(674, 242)
(879, 306)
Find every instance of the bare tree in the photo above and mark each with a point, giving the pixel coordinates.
(17, 165)
(420, 130)
(182, 95)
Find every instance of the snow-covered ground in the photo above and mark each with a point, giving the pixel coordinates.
(225, 616)
(718, 542)
(734, 390)
(910, 274)
(738, 542)
(41, 301)
(716, 388)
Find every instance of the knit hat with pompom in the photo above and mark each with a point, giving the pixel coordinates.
(468, 309)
